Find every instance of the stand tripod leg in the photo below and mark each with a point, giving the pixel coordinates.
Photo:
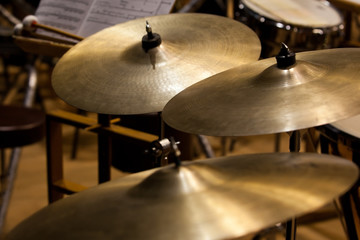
(205, 145)
(291, 229)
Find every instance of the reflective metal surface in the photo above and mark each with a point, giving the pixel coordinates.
(259, 98)
(216, 198)
(303, 25)
(110, 73)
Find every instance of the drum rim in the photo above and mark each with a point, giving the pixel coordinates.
(290, 26)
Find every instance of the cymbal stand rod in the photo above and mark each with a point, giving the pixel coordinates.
(176, 152)
(104, 150)
(294, 146)
(295, 140)
(162, 127)
(291, 229)
(161, 149)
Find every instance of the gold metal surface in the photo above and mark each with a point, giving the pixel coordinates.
(110, 73)
(216, 198)
(259, 98)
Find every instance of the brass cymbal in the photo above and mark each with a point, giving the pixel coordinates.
(216, 198)
(110, 73)
(260, 98)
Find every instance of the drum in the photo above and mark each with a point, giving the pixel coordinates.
(302, 25)
(342, 138)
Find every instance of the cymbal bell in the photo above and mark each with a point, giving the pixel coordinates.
(216, 198)
(110, 73)
(261, 98)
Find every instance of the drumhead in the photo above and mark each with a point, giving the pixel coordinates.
(309, 13)
(350, 126)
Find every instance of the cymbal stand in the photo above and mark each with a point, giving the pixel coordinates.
(161, 149)
(294, 146)
(104, 150)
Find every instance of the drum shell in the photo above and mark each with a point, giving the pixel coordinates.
(298, 38)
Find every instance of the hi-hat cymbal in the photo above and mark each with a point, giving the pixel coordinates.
(260, 98)
(110, 73)
(208, 199)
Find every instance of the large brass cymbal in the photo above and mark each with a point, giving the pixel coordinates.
(110, 73)
(217, 198)
(259, 98)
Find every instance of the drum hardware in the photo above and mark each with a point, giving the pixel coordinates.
(161, 149)
(288, 59)
(150, 40)
(133, 81)
(217, 198)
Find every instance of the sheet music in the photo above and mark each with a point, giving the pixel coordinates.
(67, 15)
(85, 17)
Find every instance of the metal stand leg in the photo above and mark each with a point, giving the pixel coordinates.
(205, 145)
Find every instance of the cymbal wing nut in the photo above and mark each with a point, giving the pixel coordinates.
(285, 58)
(150, 41)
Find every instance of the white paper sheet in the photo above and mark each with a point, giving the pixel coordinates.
(86, 17)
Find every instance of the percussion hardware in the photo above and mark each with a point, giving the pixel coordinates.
(176, 152)
(295, 140)
(161, 149)
(285, 58)
(294, 146)
(150, 40)
(104, 149)
(291, 229)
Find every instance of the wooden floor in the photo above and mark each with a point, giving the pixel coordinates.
(30, 188)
